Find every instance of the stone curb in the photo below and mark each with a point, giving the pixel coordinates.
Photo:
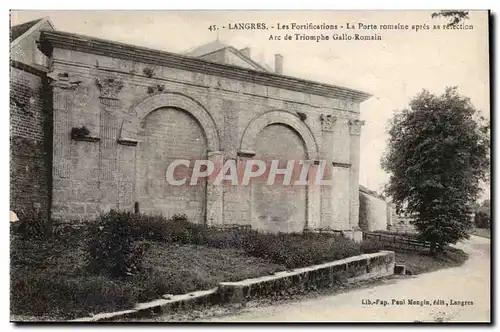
(362, 267)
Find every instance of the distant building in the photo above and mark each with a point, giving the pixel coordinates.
(374, 211)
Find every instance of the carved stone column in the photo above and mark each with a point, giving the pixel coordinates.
(109, 87)
(63, 92)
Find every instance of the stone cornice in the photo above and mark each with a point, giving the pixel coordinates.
(65, 40)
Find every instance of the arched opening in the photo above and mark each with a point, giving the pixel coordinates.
(279, 207)
(168, 134)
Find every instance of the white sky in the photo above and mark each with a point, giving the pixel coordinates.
(393, 70)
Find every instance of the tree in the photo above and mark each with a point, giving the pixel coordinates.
(438, 152)
(454, 16)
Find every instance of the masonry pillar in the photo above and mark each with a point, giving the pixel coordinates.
(354, 132)
(214, 192)
(313, 200)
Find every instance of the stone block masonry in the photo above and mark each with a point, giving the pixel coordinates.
(352, 269)
(146, 108)
(30, 141)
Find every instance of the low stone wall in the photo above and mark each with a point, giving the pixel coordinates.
(356, 268)
(351, 269)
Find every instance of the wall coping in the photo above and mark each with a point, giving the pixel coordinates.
(65, 40)
(38, 71)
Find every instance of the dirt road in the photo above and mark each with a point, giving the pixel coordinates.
(460, 294)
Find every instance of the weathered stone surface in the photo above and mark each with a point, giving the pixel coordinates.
(30, 129)
(354, 268)
(201, 108)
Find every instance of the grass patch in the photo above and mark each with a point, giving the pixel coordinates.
(418, 262)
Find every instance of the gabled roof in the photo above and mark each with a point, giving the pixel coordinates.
(18, 32)
(206, 49)
(216, 46)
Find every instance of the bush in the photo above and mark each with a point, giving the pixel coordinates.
(482, 219)
(292, 250)
(110, 245)
(299, 250)
(31, 226)
(160, 229)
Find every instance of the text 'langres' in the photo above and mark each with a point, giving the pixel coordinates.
(247, 26)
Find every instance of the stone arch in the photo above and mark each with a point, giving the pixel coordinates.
(172, 100)
(291, 120)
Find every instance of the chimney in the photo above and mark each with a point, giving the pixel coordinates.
(278, 63)
(246, 52)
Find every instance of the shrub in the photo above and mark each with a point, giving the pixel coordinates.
(110, 245)
(299, 250)
(114, 232)
(158, 228)
(31, 226)
(228, 238)
(482, 219)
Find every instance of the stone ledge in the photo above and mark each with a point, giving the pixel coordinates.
(127, 141)
(343, 165)
(246, 154)
(86, 138)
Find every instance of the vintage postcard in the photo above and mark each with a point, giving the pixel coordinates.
(250, 166)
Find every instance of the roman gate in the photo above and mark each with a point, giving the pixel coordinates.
(122, 114)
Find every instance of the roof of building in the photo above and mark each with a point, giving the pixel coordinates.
(17, 32)
(370, 192)
(217, 45)
(207, 48)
